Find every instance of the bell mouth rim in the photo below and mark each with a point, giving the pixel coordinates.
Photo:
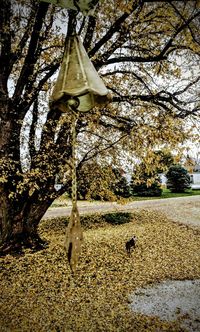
(80, 93)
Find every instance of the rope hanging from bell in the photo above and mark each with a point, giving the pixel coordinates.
(74, 234)
(78, 89)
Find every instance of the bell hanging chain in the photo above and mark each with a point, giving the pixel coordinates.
(74, 178)
(78, 89)
(74, 235)
(73, 104)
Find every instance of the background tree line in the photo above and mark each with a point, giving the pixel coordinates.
(104, 182)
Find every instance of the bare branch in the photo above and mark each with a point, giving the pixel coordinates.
(166, 50)
(5, 38)
(32, 129)
(89, 34)
(115, 28)
(189, 85)
(127, 72)
(32, 55)
(179, 29)
(97, 152)
(184, 20)
(18, 53)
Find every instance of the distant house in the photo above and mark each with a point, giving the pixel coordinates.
(193, 169)
(163, 180)
(195, 180)
(197, 168)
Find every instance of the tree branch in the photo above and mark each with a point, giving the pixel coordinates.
(18, 53)
(28, 101)
(100, 151)
(121, 59)
(189, 85)
(127, 72)
(89, 33)
(163, 99)
(166, 50)
(32, 129)
(31, 57)
(113, 29)
(186, 23)
(184, 20)
(5, 38)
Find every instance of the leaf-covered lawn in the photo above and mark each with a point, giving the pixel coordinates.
(38, 293)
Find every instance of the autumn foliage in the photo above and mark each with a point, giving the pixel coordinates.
(38, 294)
(143, 50)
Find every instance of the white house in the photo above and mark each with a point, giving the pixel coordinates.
(195, 180)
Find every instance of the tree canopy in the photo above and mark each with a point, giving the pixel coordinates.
(147, 53)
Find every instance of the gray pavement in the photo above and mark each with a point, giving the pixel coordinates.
(181, 209)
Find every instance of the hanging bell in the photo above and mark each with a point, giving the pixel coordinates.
(77, 79)
(85, 6)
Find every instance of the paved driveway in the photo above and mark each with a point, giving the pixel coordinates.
(182, 209)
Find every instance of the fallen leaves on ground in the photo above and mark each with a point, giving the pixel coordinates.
(39, 294)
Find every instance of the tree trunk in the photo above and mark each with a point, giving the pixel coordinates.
(24, 197)
(20, 211)
(19, 226)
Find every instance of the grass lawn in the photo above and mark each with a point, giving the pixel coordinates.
(167, 194)
(38, 294)
(63, 200)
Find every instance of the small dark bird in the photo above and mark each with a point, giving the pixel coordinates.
(131, 244)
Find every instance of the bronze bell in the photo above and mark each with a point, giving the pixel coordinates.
(77, 79)
(85, 6)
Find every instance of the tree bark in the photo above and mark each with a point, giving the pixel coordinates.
(24, 197)
(19, 226)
